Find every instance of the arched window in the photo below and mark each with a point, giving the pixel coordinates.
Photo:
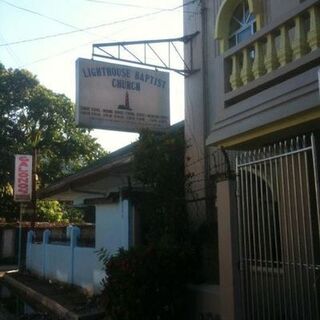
(236, 21)
(242, 24)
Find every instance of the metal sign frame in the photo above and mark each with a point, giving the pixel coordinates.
(103, 50)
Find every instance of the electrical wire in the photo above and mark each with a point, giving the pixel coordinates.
(139, 6)
(40, 14)
(125, 4)
(67, 50)
(92, 27)
(47, 17)
(10, 51)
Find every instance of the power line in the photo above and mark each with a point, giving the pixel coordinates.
(10, 51)
(92, 27)
(139, 6)
(65, 51)
(125, 5)
(75, 31)
(53, 56)
(39, 14)
(45, 16)
(60, 53)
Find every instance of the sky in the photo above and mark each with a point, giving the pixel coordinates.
(47, 36)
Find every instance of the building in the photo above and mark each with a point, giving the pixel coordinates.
(105, 187)
(109, 189)
(252, 125)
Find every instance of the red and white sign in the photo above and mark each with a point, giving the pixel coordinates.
(23, 178)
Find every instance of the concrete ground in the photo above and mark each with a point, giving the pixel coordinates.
(9, 268)
(65, 302)
(4, 315)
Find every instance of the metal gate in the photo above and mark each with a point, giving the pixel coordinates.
(278, 219)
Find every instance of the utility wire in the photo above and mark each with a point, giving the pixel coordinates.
(138, 6)
(92, 27)
(70, 49)
(63, 52)
(10, 51)
(39, 14)
(125, 5)
(46, 17)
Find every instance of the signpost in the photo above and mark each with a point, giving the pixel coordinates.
(119, 97)
(22, 188)
(319, 81)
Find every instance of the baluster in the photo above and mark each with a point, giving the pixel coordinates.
(299, 46)
(246, 71)
(285, 51)
(258, 68)
(314, 32)
(271, 59)
(235, 79)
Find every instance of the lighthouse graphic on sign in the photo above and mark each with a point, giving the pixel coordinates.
(126, 105)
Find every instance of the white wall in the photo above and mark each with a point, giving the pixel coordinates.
(58, 262)
(35, 257)
(79, 265)
(7, 244)
(88, 270)
(66, 263)
(112, 226)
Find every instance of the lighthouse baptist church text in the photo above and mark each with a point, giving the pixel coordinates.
(121, 97)
(128, 80)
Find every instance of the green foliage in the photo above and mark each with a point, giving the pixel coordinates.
(73, 215)
(32, 116)
(49, 211)
(54, 211)
(146, 282)
(159, 163)
(159, 166)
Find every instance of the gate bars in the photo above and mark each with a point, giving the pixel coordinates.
(279, 221)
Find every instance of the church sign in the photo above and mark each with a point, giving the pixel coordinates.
(119, 97)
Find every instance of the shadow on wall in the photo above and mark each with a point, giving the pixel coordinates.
(208, 316)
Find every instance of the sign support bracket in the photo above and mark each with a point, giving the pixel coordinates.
(150, 53)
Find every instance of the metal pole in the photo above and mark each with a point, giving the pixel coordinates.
(241, 211)
(317, 194)
(20, 236)
(302, 181)
(297, 226)
(34, 187)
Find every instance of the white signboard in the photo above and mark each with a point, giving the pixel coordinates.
(23, 178)
(119, 97)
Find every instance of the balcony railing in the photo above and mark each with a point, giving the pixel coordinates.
(270, 52)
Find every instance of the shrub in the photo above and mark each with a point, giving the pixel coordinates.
(146, 282)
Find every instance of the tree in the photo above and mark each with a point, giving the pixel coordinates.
(34, 117)
(148, 281)
(159, 166)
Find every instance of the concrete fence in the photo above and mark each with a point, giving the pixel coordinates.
(7, 243)
(65, 261)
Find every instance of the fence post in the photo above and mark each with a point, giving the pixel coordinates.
(74, 233)
(30, 237)
(228, 251)
(45, 241)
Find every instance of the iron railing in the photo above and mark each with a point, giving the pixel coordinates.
(278, 219)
